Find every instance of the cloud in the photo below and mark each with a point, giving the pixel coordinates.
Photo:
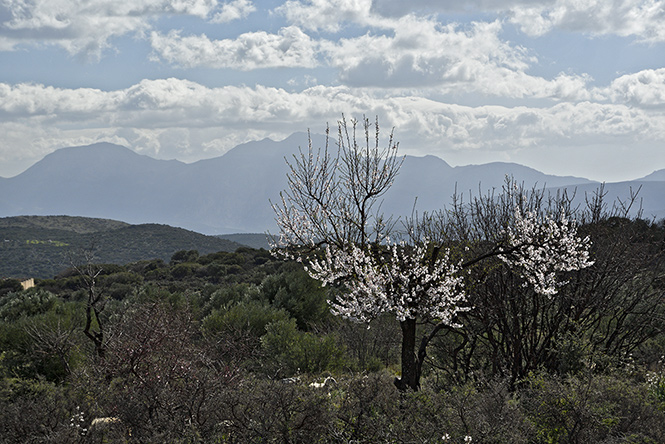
(644, 19)
(644, 89)
(452, 59)
(86, 27)
(445, 127)
(411, 52)
(397, 8)
(236, 9)
(326, 15)
(290, 47)
(418, 51)
(28, 100)
(174, 118)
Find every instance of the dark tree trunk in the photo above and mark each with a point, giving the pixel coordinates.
(411, 365)
(97, 337)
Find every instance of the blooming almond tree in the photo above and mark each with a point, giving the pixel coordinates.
(410, 281)
(330, 220)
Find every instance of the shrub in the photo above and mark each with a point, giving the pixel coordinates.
(159, 380)
(249, 315)
(26, 303)
(277, 412)
(591, 409)
(184, 256)
(290, 351)
(185, 270)
(37, 411)
(300, 295)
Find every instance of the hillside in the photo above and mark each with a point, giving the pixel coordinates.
(43, 246)
(76, 224)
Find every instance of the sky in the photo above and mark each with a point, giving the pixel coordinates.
(568, 87)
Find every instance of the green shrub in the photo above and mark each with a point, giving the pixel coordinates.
(297, 293)
(26, 303)
(10, 285)
(185, 270)
(46, 345)
(292, 351)
(227, 296)
(250, 315)
(38, 411)
(184, 256)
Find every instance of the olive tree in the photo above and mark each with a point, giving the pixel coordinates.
(330, 219)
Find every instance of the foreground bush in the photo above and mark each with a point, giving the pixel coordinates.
(361, 408)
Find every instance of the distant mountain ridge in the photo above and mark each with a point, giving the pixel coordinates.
(231, 193)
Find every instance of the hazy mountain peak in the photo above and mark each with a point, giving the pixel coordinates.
(98, 156)
(274, 149)
(231, 193)
(95, 149)
(658, 175)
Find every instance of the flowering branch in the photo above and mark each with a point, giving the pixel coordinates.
(541, 246)
(402, 280)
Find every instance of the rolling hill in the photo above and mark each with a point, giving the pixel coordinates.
(43, 246)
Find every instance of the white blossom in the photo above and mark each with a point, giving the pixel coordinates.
(540, 246)
(397, 278)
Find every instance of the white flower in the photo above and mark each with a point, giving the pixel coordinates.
(398, 279)
(541, 246)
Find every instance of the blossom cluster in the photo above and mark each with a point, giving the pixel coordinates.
(398, 278)
(541, 246)
(77, 422)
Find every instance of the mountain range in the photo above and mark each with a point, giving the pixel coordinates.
(232, 193)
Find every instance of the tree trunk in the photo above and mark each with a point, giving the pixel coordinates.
(97, 337)
(411, 366)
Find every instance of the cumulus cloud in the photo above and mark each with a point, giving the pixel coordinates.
(412, 52)
(418, 51)
(422, 53)
(644, 19)
(290, 47)
(508, 129)
(87, 27)
(396, 8)
(234, 10)
(327, 15)
(425, 49)
(644, 89)
(26, 100)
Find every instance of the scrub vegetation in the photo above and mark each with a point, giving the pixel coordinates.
(242, 347)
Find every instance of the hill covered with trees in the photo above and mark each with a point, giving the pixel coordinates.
(43, 246)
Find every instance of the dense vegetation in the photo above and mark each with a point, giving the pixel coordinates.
(241, 347)
(43, 246)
